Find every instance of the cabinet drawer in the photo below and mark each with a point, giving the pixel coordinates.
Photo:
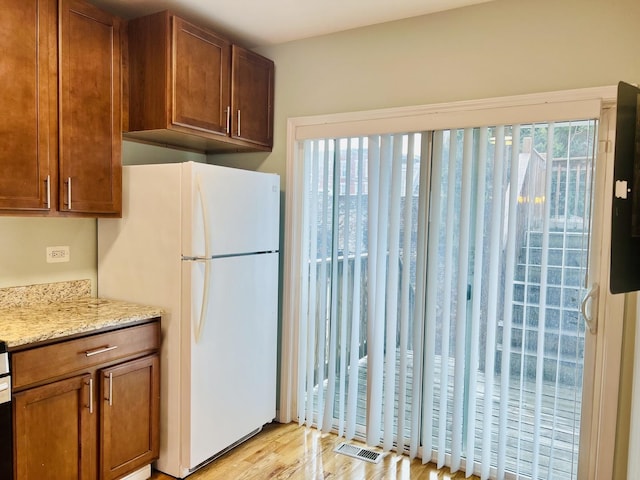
(42, 363)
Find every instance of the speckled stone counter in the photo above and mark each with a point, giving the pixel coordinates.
(20, 326)
(43, 293)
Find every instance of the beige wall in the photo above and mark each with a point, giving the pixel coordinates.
(135, 153)
(23, 243)
(505, 47)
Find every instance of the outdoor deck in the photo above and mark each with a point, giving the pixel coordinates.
(559, 420)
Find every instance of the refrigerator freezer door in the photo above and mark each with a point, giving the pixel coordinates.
(231, 211)
(233, 360)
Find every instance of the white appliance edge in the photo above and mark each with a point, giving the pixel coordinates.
(140, 261)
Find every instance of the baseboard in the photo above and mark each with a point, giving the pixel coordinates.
(142, 474)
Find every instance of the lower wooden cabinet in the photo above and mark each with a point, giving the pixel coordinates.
(129, 416)
(94, 421)
(54, 431)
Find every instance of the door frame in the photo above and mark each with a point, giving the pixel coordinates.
(602, 351)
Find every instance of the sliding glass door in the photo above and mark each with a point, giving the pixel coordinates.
(441, 280)
(508, 255)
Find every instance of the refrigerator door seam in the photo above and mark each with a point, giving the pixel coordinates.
(244, 254)
(188, 258)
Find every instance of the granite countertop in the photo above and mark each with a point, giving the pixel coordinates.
(22, 325)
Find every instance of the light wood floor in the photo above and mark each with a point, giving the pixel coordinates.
(287, 451)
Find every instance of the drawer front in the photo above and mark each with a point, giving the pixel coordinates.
(41, 363)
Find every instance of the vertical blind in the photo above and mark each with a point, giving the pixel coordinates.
(441, 279)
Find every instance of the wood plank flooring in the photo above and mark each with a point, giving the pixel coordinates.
(288, 451)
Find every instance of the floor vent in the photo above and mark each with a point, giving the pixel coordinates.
(358, 452)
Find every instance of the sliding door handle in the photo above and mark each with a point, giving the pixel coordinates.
(589, 309)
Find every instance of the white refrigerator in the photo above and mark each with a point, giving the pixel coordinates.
(202, 242)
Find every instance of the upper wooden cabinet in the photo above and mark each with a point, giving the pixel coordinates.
(251, 96)
(90, 110)
(61, 104)
(28, 99)
(200, 79)
(190, 87)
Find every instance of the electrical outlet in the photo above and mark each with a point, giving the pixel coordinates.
(58, 254)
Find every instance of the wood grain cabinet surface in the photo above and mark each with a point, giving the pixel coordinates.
(191, 87)
(90, 110)
(129, 416)
(252, 77)
(28, 99)
(61, 104)
(54, 431)
(93, 418)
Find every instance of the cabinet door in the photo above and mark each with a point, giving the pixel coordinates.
(55, 432)
(129, 416)
(200, 78)
(90, 116)
(29, 103)
(252, 79)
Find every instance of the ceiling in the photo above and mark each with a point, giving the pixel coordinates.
(267, 22)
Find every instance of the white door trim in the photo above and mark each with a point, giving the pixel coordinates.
(602, 351)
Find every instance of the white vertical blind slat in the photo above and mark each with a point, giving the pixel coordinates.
(311, 278)
(377, 237)
(493, 298)
(443, 410)
(373, 177)
(419, 317)
(311, 282)
(544, 274)
(508, 310)
(562, 331)
(526, 324)
(476, 295)
(354, 359)
(461, 309)
(326, 231)
(331, 377)
(322, 174)
(393, 275)
(346, 236)
(431, 302)
(404, 292)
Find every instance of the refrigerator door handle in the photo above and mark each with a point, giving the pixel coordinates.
(198, 327)
(207, 264)
(205, 218)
